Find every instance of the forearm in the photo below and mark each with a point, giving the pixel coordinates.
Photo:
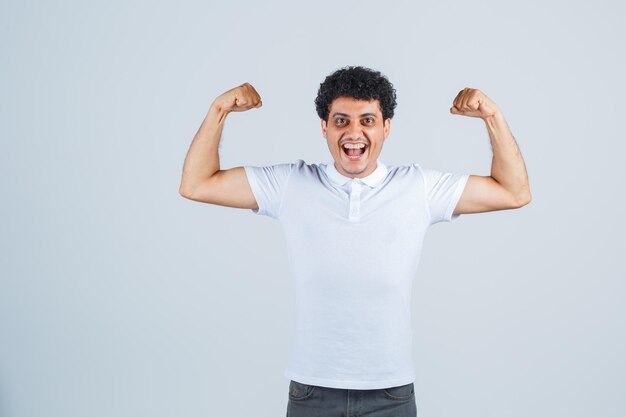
(507, 166)
(202, 160)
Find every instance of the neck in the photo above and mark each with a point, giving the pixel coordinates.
(358, 175)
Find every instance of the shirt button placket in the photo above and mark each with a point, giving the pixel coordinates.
(355, 200)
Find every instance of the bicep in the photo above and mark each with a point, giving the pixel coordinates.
(484, 193)
(229, 187)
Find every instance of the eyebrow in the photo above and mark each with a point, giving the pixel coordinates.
(347, 115)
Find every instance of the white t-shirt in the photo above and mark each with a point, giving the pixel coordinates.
(353, 246)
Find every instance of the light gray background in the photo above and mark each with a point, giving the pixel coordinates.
(118, 297)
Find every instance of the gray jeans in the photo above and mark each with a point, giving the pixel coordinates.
(315, 401)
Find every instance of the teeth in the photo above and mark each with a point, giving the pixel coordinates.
(354, 145)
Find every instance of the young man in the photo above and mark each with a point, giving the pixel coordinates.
(354, 228)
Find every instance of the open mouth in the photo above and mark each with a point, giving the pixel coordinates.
(354, 151)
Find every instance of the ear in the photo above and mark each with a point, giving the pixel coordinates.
(386, 127)
(323, 123)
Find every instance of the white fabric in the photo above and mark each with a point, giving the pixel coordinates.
(354, 246)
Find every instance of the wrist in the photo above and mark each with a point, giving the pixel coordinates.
(216, 110)
(495, 120)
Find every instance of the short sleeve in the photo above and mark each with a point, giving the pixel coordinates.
(443, 191)
(268, 184)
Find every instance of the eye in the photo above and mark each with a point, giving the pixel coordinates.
(368, 120)
(340, 121)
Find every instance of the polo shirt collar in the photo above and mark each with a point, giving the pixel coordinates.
(372, 179)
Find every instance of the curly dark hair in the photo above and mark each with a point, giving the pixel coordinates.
(356, 82)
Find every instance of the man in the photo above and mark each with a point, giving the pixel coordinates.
(354, 230)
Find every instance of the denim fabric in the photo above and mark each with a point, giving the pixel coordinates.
(315, 401)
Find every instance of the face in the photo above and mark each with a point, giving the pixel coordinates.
(355, 123)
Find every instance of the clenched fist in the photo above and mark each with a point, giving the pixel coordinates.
(241, 98)
(473, 103)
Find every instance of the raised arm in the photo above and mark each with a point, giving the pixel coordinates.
(507, 187)
(202, 178)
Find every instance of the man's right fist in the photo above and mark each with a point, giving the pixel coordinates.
(240, 98)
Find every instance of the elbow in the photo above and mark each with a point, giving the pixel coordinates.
(522, 196)
(523, 199)
(184, 191)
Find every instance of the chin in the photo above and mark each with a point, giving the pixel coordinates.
(355, 168)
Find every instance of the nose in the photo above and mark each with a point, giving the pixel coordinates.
(355, 132)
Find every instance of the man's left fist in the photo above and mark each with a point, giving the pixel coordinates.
(473, 103)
